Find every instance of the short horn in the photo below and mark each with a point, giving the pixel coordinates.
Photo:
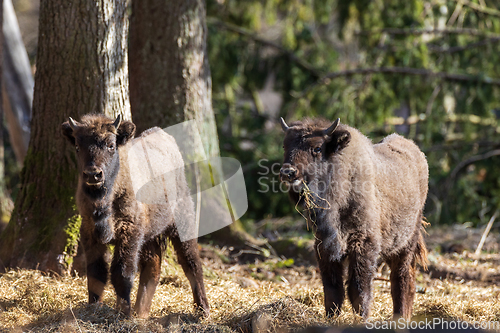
(329, 131)
(117, 122)
(72, 123)
(284, 126)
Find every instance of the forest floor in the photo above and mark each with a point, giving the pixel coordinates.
(255, 289)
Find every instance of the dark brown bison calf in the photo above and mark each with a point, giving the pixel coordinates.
(111, 214)
(365, 202)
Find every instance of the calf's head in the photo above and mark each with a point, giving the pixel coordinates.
(96, 139)
(309, 147)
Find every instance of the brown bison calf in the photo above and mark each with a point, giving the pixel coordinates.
(111, 214)
(366, 204)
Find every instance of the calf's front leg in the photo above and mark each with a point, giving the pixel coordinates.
(362, 268)
(97, 267)
(332, 278)
(124, 265)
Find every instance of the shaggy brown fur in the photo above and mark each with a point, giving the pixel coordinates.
(112, 215)
(366, 202)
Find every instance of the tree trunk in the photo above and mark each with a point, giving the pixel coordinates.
(5, 200)
(169, 72)
(81, 68)
(18, 82)
(170, 76)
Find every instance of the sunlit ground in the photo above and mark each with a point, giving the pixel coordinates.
(271, 294)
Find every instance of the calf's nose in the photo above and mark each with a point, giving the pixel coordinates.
(288, 173)
(94, 175)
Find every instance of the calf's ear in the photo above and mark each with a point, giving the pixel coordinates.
(126, 131)
(67, 131)
(337, 141)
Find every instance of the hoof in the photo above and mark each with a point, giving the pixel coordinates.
(123, 306)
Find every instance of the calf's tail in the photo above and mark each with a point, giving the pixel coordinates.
(420, 254)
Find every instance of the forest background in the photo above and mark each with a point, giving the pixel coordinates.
(425, 69)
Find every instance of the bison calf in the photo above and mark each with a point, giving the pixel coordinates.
(111, 214)
(366, 204)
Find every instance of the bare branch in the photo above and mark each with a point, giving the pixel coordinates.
(247, 33)
(479, 8)
(476, 158)
(413, 31)
(412, 71)
(394, 70)
(471, 118)
(461, 145)
(465, 47)
(472, 160)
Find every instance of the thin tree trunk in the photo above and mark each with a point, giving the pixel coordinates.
(5, 201)
(18, 82)
(81, 68)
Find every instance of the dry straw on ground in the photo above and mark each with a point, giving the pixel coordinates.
(257, 297)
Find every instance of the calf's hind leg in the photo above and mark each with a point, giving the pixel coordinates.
(403, 269)
(150, 270)
(189, 259)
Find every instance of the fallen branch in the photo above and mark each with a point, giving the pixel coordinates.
(485, 233)
(445, 272)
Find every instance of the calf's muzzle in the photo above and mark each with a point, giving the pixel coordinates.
(93, 176)
(288, 173)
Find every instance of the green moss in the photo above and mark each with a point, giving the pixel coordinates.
(72, 231)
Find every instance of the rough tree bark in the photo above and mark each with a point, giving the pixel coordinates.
(169, 73)
(170, 76)
(81, 68)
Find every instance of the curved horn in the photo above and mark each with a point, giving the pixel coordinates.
(284, 126)
(329, 131)
(72, 124)
(117, 122)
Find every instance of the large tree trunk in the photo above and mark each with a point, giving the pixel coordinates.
(170, 76)
(169, 73)
(81, 68)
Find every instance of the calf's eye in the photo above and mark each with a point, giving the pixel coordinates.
(111, 147)
(317, 150)
(77, 148)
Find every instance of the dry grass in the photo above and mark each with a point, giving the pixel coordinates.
(265, 295)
